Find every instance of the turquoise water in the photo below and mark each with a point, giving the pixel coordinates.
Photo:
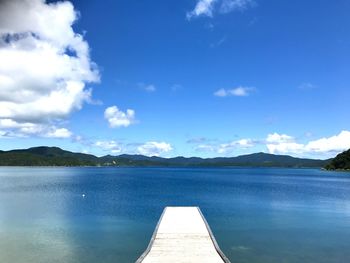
(256, 214)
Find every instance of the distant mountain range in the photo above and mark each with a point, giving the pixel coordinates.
(54, 156)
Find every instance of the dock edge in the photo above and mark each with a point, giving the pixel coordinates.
(217, 248)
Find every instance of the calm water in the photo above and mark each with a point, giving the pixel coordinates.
(257, 215)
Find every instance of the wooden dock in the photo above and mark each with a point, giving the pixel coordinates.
(182, 236)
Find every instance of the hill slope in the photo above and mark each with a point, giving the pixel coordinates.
(45, 156)
(340, 162)
(54, 156)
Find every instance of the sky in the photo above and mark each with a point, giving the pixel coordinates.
(167, 78)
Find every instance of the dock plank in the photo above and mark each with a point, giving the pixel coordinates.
(182, 235)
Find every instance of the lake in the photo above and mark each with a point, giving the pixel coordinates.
(263, 215)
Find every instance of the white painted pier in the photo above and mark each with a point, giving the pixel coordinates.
(182, 236)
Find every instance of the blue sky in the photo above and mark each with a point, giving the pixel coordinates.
(191, 77)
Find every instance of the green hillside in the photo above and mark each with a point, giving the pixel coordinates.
(340, 162)
(54, 156)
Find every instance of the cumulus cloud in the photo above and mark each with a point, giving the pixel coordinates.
(154, 148)
(239, 91)
(208, 7)
(286, 148)
(229, 147)
(233, 5)
(284, 144)
(110, 146)
(279, 138)
(203, 7)
(281, 144)
(225, 148)
(118, 118)
(44, 67)
(27, 129)
(336, 143)
(151, 148)
(58, 133)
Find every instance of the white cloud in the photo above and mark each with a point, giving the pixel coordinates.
(44, 67)
(3, 134)
(279, 138)
(221, 93)
(225, 148)
(239, 144)
(203, 7)
(26, 129)
(147, 87)
(118, 118)
(154, 148)
(110, 146)
(207, 7)
(233, 5)
(150, 88)
(284, 144)
(59, 133)
(239, 91)
(286, 148)
(151, 148)
(336, 143)
(205, 148)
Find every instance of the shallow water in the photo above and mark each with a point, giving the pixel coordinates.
(256, 214)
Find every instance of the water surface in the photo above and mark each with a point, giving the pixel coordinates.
(257, 214)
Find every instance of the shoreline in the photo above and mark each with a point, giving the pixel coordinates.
(171, 167)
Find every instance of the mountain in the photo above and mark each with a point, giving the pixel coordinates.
(54, 156)
(255, 159)
(340, 162)
(45, 156)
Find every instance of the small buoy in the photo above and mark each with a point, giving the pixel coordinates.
(83, 195)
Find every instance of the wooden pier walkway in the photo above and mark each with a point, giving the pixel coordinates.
(182, 236)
